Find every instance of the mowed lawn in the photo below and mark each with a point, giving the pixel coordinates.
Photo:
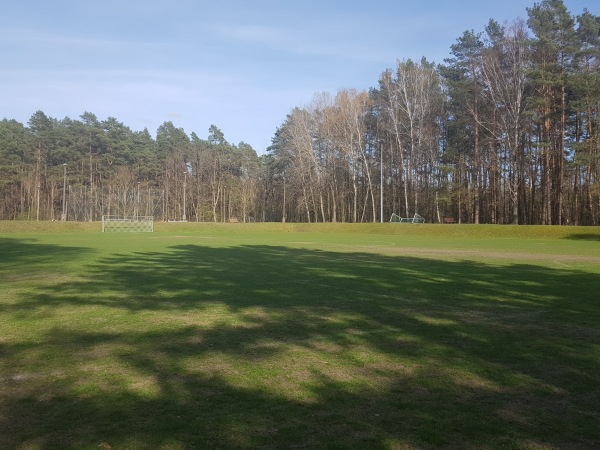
(289, 336)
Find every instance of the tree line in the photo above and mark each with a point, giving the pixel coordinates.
(503, 131)
(84, 169)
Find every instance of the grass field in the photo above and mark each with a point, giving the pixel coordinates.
(299, 336)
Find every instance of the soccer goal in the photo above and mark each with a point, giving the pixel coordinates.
(131, 224)
(415, 219)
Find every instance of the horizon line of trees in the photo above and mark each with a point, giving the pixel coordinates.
(506, 130)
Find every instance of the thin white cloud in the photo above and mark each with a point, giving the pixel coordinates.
(260, 34)
(28, 36)
(320, 40)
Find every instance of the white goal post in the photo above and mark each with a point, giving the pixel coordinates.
(415, 219)
(128, 224)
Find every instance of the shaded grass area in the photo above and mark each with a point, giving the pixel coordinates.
(147, 342)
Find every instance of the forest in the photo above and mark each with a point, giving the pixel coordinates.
(504, 131)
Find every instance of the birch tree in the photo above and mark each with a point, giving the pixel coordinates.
(503, 73)
(412, 101)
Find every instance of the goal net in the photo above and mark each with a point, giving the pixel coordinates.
(415, 219)
(133, 224)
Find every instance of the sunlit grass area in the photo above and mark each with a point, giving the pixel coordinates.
(210, 336)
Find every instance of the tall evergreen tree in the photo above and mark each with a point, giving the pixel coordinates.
(462, 76)
(553, 53)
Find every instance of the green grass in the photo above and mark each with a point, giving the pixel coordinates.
(299, 336)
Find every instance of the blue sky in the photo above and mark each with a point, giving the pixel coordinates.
(241, 65)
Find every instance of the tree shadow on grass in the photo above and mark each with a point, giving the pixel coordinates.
(273, 347)
(19, 253)
(584, 236)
